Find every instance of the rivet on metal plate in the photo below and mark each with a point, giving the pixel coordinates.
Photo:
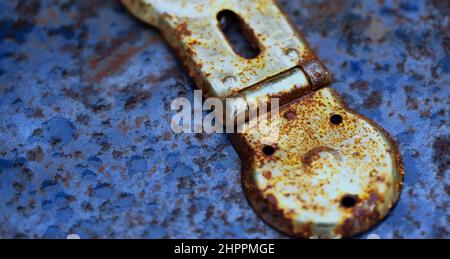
(332, 173)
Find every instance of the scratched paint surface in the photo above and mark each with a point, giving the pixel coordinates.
(85, 139)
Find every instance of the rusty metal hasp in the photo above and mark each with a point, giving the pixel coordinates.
(331, 173)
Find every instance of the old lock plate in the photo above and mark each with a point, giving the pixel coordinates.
(331, 173)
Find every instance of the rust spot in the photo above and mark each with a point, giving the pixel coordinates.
(441, 157)
(170, 73)
(152, 79)
(304, 231)
(182, 30)
(35, 154)
(117, 62)
(447, 189)
(272, 200)
(374, 100)
(360, 85)
(28, 8)
(139, 120)
(317, 74)
(267, 174)
(289, 115)
(314, 154)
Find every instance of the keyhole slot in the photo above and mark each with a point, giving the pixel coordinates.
(238, 34)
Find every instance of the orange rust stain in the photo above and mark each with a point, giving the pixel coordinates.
(182, 30)
(314, 154)
(267, 174)
(139, 121)
(289, 115)
(116, 63)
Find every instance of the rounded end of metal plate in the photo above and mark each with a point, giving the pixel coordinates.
(144, 10)
(330, 173)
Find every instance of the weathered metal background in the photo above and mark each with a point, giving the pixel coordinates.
(86, 145)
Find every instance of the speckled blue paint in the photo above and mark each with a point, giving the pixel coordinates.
(85, 140)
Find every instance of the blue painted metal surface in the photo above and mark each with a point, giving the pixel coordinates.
(85, 139)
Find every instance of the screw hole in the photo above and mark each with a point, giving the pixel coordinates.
(336, 119)
(348, 201)
(268, 150)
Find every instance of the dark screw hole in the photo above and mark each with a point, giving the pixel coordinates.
(268, 150)
(336, 119)
(348, 201)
